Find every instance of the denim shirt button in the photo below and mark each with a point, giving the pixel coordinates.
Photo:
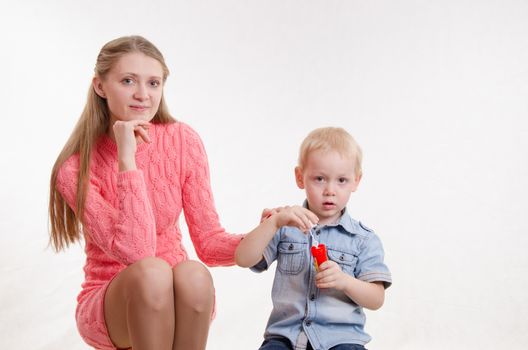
(342, 257)
(312, 297)
(290, 247)
(318, 231)
(308, 323)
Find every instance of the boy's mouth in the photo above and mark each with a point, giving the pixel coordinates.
(328, 205)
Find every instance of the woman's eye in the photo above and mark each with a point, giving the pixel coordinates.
(155, 83)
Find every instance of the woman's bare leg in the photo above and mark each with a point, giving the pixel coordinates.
(139, 306)
(194, 301)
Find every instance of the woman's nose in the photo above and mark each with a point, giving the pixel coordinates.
(141, 93)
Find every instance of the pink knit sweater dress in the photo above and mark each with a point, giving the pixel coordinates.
(132, 215)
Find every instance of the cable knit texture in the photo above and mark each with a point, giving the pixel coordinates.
(134, 214)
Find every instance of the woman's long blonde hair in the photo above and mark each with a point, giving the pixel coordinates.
(65, 223)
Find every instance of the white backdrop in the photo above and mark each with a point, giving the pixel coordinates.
(434, 91)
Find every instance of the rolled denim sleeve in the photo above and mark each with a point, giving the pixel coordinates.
(269, 254)
(370, 266)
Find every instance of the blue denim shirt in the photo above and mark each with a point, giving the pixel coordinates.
(328, 317)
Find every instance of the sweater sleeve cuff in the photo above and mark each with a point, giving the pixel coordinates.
(130, 178)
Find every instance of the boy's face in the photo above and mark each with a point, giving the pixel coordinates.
(328, 179)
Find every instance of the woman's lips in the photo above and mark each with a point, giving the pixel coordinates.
(139, 108)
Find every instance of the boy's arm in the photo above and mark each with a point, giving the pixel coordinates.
(371, 276)
(250, 250)
(366, 294)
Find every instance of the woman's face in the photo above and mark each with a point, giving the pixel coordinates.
(132, 88)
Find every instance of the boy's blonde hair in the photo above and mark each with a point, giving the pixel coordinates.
(331, 139)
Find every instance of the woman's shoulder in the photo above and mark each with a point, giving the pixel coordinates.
(172, 127)
(71, 164)
(69, 170)
(177, 131)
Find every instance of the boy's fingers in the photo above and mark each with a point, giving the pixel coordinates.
(309, 218)
(324, 285)
(266, 213)
(326, 279)
(306, 222)
(299, 220)
(324, 266)
(312, 216)
(322, 272)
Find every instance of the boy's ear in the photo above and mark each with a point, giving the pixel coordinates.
(98, 87)
(299, 178)
(357, 179)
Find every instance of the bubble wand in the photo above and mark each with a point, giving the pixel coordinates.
(318, 250)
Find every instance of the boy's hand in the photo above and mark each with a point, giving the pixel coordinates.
(330, 275)
(295, 216)
(250, 250)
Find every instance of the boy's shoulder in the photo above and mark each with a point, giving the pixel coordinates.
(355, 227)
(364, 227)
(363, 238)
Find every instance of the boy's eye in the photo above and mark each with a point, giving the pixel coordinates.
(319, 179)
(127, 81)
(342, 180)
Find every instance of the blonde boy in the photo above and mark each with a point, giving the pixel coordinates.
(323, 308)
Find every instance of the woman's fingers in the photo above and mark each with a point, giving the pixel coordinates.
(143, 123)
(142, 132)
(132, 123)
(131, 129)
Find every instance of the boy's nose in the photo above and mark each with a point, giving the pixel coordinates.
(329, 190)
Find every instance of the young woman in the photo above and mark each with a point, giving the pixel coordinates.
(121, 182)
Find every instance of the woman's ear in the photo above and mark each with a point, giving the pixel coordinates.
(299, 178)
(98, 87)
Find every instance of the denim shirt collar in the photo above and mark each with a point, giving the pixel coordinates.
(345, 221)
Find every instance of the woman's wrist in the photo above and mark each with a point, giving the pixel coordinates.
(127, 164)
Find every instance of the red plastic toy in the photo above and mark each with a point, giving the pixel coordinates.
(319, 254)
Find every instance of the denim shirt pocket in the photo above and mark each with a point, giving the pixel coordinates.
(291, 257)
(346, 260)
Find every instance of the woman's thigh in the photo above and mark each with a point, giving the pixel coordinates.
(193, 284)
(146, 281)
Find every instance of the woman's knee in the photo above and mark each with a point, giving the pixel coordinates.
(193, 285)
(150, 282)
